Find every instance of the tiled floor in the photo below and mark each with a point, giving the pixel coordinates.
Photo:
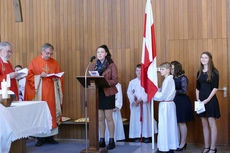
(191, 148)
(75, 146)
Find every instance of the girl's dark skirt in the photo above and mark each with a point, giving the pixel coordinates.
(106, 102)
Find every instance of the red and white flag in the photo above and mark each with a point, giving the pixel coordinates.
(149, 62)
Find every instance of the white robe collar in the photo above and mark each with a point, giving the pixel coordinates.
(4, 60)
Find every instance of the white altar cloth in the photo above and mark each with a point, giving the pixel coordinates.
(23, 119)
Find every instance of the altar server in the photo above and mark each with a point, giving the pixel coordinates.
(140, 111)
(167, 139)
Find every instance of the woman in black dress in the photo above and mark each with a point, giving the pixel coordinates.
(206, 88)
(106, 67)
(184, 109)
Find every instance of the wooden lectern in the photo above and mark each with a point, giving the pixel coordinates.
(93, 83)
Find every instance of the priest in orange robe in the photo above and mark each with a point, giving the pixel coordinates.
(40, 87)
(6, 69)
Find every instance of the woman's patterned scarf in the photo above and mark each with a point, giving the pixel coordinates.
(101, 67)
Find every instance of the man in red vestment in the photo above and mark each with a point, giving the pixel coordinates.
(39, 87)
(6, 69)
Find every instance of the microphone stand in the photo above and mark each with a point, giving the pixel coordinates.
(86, 128)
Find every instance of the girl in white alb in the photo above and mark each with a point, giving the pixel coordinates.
(167, 139)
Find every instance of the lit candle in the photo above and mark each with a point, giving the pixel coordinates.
(4, 89)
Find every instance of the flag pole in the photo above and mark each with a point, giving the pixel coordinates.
(153, 130)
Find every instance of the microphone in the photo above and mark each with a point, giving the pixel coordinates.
(92, 58)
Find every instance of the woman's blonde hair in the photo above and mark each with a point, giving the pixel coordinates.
(166, 65)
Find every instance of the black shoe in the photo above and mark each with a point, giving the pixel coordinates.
(102, 143)
(147, 140)
(170, 151)
(137, 140)
(183, 148)
(206, 150)
(40, 142)
(213, 150)
(50, 140)
(111, 144)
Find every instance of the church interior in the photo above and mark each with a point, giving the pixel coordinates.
(183, 30)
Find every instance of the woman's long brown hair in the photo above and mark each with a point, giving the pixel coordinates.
(211, 66)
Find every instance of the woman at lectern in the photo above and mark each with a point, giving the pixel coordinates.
(106, 67)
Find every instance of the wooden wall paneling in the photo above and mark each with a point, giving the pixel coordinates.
(176, 49)
(19, 41)
(228, 57)
(46, 22)
(225, 83)
(135, 26)
(40, 26)
(106, 22)
(195, 18)
(109, 25)
(93, 27)
(73, 63)
(214, 19)
(89, 29)
(66, 46)
(4, 6)
(185, 55)
(171, 20)
(134, 55)
(224, 18)
(171, 50)
(69, 47)
(191, 14)
(123, 25)
(219, 18)
(180, 19)
(204, 19)
(176, 19)
(209, 45)
(223, 121)
(157, 28)
(164, 55)
(209, 20)
(131, 28)
(57, 32)
(200, 15)
(167, 19)
(127, 23)
(49, 21)
(27, 35)
(101, 31)
(185, 23)
(34, 51)
(128, 63)
(191, 86)
(62, 21)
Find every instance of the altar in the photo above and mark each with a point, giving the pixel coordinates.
(23, 119)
